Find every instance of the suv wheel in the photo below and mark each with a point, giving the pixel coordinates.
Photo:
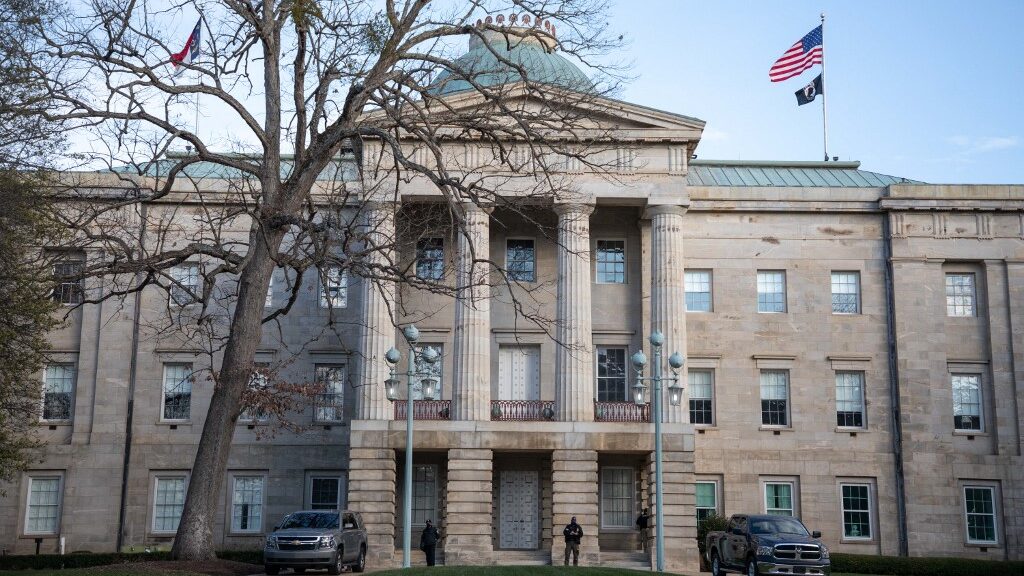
(752, 567)
(716, 567)
(271, 570)
(338, 565)
(360, 564)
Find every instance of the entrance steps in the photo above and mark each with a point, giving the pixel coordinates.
(522, 557)
(420, 559)
(625, 559)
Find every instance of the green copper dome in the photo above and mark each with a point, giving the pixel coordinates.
(537, 57)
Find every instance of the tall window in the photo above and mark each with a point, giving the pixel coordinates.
(258, 381)
(57, 392)
(185, 284)
(774, 397)
(698, 290)
(424, 494)
(967, 402)
(980, 510)
(707, 499)
(850, 399)
(433, 371)
(168, 502)
(846, 292)
(334, 288)
(778, 498)
(430, 258)
(329, 402)
(325, 493)
(611, 374)
(42, 511)
(960, 295)
(177, 391)
(701, 397)
(69, 290)
(856, 511)
(617, 497)
(771, 291)
(520, 260)
(247, 504)
(611, 261)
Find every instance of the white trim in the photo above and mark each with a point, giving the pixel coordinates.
(871, 511)
(711, 289)
(863, 399)
(794, 487)
(689, 396)
(157, 477)
(338, 475)
(992, 488)
(632, 498)
(785, 291)
(626, 366)
(718, 494)
(163, 392)
(233, 477)
(71, 401)
(32, 476)
(981, 429)
(860, 302)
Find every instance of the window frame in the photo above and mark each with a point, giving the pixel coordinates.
(788, 400)
(508, 270)
(982, 428)
(710, 292)
(785, 292)
(794, 489)
(311, 477)
(268, 300)
(857, 293)
(598, 262)
(163, 392)
(435, 273)
(431, 512)
(870, 487)
(235, 476)
(625, 371)
(73, 366)
(717, 510)
(863, 399)
(178, 284)
(711, 396)
(338, 407)
(157, 477)
(993, 489)
(951, 308)
(437, 372)
(34, 476)
(630, 520)
(339, 299)
(256, 378)
(71, 293)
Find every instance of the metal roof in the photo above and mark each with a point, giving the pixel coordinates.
(787, 174)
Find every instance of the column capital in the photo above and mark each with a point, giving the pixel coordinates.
(652, 210)
(469, 207)
(574, 208)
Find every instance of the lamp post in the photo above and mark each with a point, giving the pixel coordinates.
(430, 356)
(675, 361)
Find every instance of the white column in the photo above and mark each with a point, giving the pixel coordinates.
(377, 333)
(668, 290)
(574, 358)
(471, 389)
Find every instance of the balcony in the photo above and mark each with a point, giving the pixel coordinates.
(425, 409)
(522, 410)
(621, 412)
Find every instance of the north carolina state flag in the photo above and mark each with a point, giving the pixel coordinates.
(190, 52)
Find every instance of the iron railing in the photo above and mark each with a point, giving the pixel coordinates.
(621, 412)
(425, 409)
(522, 410)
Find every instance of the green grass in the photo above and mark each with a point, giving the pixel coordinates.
(100, 571)
(510, 571)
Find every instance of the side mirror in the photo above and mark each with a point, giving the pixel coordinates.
(816, 534)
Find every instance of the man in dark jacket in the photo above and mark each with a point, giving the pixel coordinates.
(573, 533)
(641, 526)
(428, 542)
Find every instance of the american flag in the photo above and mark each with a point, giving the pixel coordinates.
(805, 53)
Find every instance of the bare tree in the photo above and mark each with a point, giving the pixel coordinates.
(336, 105)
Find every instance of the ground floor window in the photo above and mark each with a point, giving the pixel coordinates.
(617, 497)
(980, 510)
(42, 512)
(778, 498)
(247, 504)
(707, 499)
(325, 493)
(168, 502)
(856, 511)
(424, 494)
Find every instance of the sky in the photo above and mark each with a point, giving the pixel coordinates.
(930, 90)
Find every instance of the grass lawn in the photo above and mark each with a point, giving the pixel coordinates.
(122, 570)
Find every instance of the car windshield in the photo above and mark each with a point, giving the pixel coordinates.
(780, 525)
(311, 520)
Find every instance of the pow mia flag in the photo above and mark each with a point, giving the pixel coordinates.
(808, 93)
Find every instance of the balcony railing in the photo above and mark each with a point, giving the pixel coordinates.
(522, 410)
(425, 409)
(621, 412)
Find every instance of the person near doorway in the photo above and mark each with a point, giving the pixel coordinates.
(641, 526)
(573, 533)
(428, 542)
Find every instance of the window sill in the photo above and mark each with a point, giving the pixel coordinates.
(858, 541)
(764, 428)
(970, 433)
(993, 545)
(847, 313)
(173, 422)
(769, 312)
(47, 536)
(851, 430)
(55, 423)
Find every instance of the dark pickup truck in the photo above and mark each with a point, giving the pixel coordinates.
(767, 545)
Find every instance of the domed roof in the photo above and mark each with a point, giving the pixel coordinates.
(535, 55)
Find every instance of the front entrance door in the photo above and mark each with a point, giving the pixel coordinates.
(519, 373)
(519, 492)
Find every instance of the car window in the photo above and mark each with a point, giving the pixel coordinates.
(348, 521)
(315, 520)
(778, 525)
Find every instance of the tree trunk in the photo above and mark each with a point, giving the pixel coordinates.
(194, 540)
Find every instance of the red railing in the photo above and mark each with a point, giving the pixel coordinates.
(522, 410)
(621, 412)
(425, 409)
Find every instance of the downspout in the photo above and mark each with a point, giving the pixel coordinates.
(132, 369)
(894, 386)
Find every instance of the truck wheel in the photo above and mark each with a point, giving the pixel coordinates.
(752, 567)
(338, 565)
(271, 570)
(716, 567)
(360, 564)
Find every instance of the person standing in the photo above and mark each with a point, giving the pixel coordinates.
(641, 526)
(428, 542)
(573, 533)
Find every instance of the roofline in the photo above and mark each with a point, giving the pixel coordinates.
(777, 163)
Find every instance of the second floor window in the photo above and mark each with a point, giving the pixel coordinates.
(184, 283)
(771, 291)
(698, 290)
(846, 292)
(960, 295)
(433, 371)
(850, 399)
(329, 401)
(57, 392)
(611, 262)
(520, 260)
(334, 288)
(775, 398)
(69, 287)
(611, 374)
(967, 402)
(701, 409)
(258, 381)
(177, 397)
(430, 258)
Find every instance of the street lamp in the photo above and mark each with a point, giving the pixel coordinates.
(675, 396)
(430, 356)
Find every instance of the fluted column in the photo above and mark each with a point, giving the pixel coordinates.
(377, 333)
(471, 390)
(574, 358)
(668, 289)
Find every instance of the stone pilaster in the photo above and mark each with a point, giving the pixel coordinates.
(574, 358)
(371, 492)
(668, 291)
(468, 513)
(471, 388)
(679, 512)
(574, 493)
(377, 333)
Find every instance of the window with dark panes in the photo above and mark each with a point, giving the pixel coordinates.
(69, 287)
(520, 260)
(611, 261)
(775, 398)
(967, 402)
(430, 258)
(611, 374)
(325, 493)
(58, 389)
(177, 391)
(701, 397)
(850, 399)
(856, 511)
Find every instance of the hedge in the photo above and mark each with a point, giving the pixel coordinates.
(88, 560)
(906, 566)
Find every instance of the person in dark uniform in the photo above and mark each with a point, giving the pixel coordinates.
(573, 533)
(641, 526)
(428, 542)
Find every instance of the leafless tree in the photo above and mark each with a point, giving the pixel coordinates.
(335, 105)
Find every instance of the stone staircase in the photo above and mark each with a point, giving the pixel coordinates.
(629, 560)
(420, 559)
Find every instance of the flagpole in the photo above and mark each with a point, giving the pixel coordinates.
(824, 93)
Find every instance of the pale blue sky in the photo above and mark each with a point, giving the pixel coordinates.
(930, 90)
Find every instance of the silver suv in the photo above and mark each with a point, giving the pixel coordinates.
(328, 539)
